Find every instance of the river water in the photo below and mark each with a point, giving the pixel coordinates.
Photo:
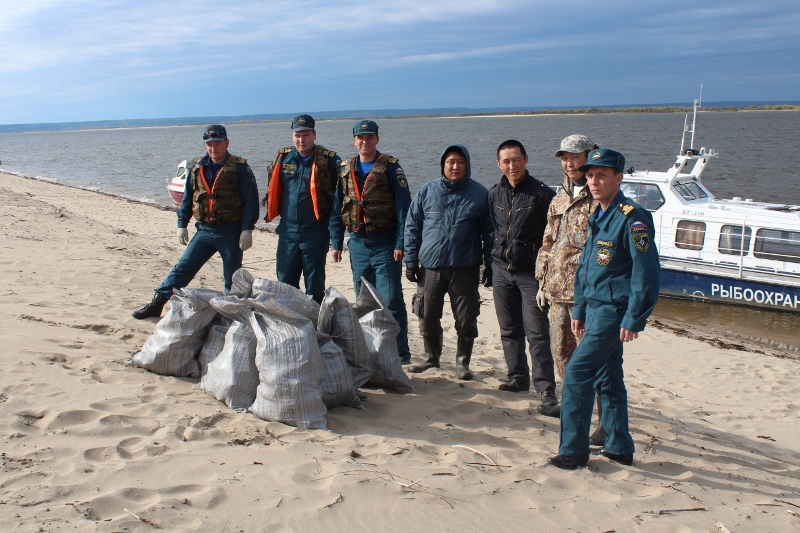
(759, 157)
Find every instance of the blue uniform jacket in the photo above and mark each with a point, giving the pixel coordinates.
(449, 225)
(248, 192)
(619, 265)
(296, 206)
(402, 199)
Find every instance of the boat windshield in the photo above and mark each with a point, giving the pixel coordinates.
(696, 190)
(647, 195)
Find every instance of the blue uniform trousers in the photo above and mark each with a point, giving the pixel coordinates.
(596, 364)
(519, 318)
(304, 256)
(206, 242)
(375, 262)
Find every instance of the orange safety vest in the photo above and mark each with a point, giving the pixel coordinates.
(319, 184)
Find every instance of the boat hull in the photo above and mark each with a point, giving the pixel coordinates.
(709, 287)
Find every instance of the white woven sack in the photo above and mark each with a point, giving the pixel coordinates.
(215, 341)
(289, 367)
(232, 377)
(380, 331)
(287, 296)
(337, 319)
(337, 383)
(172, 348)
(242, 284)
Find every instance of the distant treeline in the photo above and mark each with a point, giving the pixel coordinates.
(596, 110)
(389, 113)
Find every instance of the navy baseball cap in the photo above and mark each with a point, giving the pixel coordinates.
(302, 123)
(215, 132)
(365, 126)
(603, 157)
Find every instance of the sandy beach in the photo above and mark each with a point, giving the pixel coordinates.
(90, 443)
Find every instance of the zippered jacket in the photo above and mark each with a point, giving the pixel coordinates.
(519, 218)
(448, 224)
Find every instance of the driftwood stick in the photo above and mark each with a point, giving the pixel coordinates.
(494, 463)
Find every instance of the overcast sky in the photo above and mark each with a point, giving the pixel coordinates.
(104, 59)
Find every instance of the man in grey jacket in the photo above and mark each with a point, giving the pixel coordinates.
(448, 234)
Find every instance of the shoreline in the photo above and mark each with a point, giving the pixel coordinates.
(92, 444)
(584, 110)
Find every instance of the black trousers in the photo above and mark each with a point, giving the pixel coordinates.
(461, 284)
(519, 318)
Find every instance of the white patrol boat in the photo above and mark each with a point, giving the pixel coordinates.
(731, 251)
(176, 185)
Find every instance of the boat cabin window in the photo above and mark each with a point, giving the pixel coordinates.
(684, 191)
(778, 245)
(646, 195)
(690, 235)
(730, 240)
(696, 190)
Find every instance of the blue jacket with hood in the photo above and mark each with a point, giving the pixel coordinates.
(448, 224)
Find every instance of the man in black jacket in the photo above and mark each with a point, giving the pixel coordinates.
(519, 215)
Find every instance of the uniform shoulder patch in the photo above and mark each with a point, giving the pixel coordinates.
(392, 160)
(240, 160)
(196, 159)
(329, 153)
(626, 209)
(641, 241)
(285, 150)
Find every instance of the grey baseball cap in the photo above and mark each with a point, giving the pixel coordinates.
(575, 144)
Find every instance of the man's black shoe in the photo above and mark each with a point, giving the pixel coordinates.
(550, 410)
(153, 309)
(515, 385)
(598, 438)
(549, 398)
(569, 462)
(626, 459)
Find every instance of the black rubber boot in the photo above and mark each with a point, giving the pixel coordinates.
(598, 438)
(152, 309)
(463, 356)
(433, 352)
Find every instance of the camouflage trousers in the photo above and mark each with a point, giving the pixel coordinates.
(562, 341)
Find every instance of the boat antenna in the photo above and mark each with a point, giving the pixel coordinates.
(694, 116)
(685, 129)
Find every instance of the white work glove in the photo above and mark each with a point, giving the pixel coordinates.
(541, 299)
(246, 240)
(183, 235)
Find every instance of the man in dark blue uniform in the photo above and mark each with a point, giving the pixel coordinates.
(222, 195)
(371, 201)
(616, 289)
(302, 179)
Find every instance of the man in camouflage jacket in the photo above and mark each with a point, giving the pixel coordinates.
(557, 262)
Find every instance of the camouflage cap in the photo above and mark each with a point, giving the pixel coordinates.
(365, 127)
(604, 157)
(575, 144)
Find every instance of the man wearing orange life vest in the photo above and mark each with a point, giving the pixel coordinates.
(302, 179)
(222, 195)
(372, 201)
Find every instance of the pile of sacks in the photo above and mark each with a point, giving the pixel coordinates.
(268, 348)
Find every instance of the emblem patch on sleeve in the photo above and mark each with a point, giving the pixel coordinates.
(641, 241)
(401, 181)
(638, 226)
(603, 256)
